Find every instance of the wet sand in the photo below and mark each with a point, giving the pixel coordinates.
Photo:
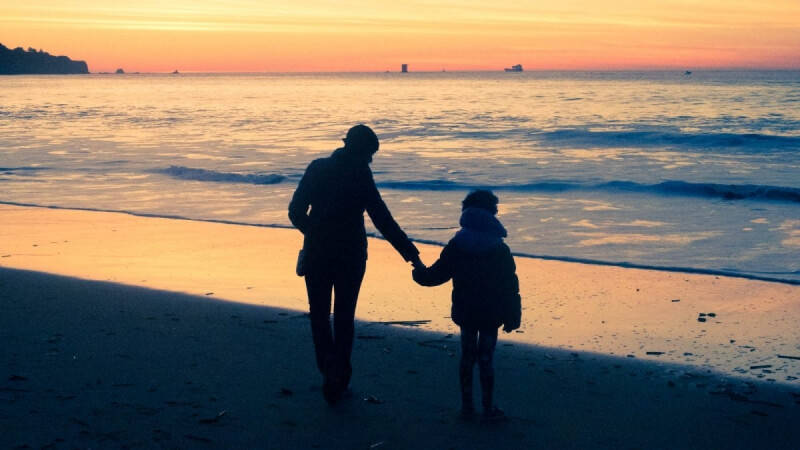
(124, 331)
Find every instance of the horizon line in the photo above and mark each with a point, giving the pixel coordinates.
(410, 72)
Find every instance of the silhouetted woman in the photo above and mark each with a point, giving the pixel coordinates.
(328, 208)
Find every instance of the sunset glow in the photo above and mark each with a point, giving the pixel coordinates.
(378, 35)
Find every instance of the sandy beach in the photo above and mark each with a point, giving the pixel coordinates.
(122, 331)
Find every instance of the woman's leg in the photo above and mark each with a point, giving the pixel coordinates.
(346, 286)
(319, 285)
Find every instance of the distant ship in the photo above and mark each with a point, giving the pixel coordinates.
(515, 68)
(688, 72)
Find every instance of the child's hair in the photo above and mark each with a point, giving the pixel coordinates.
(481, 198)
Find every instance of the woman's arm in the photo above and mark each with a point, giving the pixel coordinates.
(301, 200)
(385, 223)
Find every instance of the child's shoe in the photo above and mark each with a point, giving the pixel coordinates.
(467, 413)
(494, 414)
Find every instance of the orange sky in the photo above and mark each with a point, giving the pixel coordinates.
(429, 35)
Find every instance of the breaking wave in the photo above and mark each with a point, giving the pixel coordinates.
(674, 187)
(192, 174)
(724, 191)
(665, 136)
(680, 188)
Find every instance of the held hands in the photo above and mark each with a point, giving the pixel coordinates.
(419, 266)
(417, 263)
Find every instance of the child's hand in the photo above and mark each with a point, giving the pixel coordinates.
(510, 326)
(416, 274)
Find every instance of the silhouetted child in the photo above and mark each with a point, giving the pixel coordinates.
(485, 293)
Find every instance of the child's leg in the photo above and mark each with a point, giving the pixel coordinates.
(487, 341)
(469, 353)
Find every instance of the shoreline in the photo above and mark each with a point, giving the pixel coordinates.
(133, 331)
(568, 259)
(722, 324)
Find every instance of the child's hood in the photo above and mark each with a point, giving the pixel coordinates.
(481, 231)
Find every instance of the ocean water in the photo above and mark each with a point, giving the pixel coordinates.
(695, 172)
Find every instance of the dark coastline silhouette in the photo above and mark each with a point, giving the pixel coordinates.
(36, 62)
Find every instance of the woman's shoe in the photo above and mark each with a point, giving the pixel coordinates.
(332, 390)
(331, 384)
(467, 413)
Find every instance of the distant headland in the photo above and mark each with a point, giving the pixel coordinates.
(36, 62)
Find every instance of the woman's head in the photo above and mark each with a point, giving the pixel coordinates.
(362, 140)
(481, 198)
